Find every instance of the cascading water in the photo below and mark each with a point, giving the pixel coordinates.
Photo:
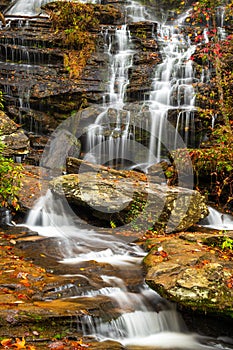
(26, 8)
(172, 93)
(143, 319)
(217, 220)
(172, 90)
(104, 141)
(23, 57)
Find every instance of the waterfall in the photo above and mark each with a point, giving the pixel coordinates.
(111, 139)
(138, 317)
(172, 90)
(120, 63)
(143, 318)
(217, 220)
(26, 8)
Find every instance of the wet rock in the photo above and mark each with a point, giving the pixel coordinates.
(33, 187)
(126, 199)
(183, 269)
(144, 61)
(17, 144)
(7, 125)
(43, 102)
(4, 4)
(63, 144)
(14, 138)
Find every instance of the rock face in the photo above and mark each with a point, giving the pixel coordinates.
(15, 139)
(127, 199)
(186, 270)
(43, 102)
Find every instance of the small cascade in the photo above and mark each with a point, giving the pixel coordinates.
(137, 12)
(172, 91)
(121, 60)
(217, 220)
(109, 138)
(26, 8)
(135, 315)
(5, 216)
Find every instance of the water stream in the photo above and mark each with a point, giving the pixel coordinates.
(218, 220)
(171, 93)
(143, 319)
(26, 7)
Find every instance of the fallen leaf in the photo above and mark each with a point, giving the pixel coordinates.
(20, 344)
(26, 283)
(6, 343)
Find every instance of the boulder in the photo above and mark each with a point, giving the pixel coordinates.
(128, 198)
(7, 125)
(56, 155)
(14, 138)
(17, 144)
(186, 270)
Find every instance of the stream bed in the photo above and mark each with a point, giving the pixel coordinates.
(102, 275)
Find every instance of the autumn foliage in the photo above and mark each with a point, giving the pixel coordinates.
(213, 62)
(76, 24)
(64, 344)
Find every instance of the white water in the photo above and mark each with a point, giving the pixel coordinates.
(146, 320)
(172, 90)
(111, 139)
(107, 143)
(218, 220)
(26, 7)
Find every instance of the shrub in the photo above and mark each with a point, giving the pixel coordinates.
(10, 180)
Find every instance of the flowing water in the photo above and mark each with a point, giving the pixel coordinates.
(143, 319)
(172, 93)
(218, 220)
(26, 8)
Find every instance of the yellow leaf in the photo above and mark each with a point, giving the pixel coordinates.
(20, 344)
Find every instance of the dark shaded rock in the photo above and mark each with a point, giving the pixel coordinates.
(4, 4)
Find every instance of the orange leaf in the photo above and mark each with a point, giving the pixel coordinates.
(20, 344)
(22, 296)
(26, 283)
(6, 343)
